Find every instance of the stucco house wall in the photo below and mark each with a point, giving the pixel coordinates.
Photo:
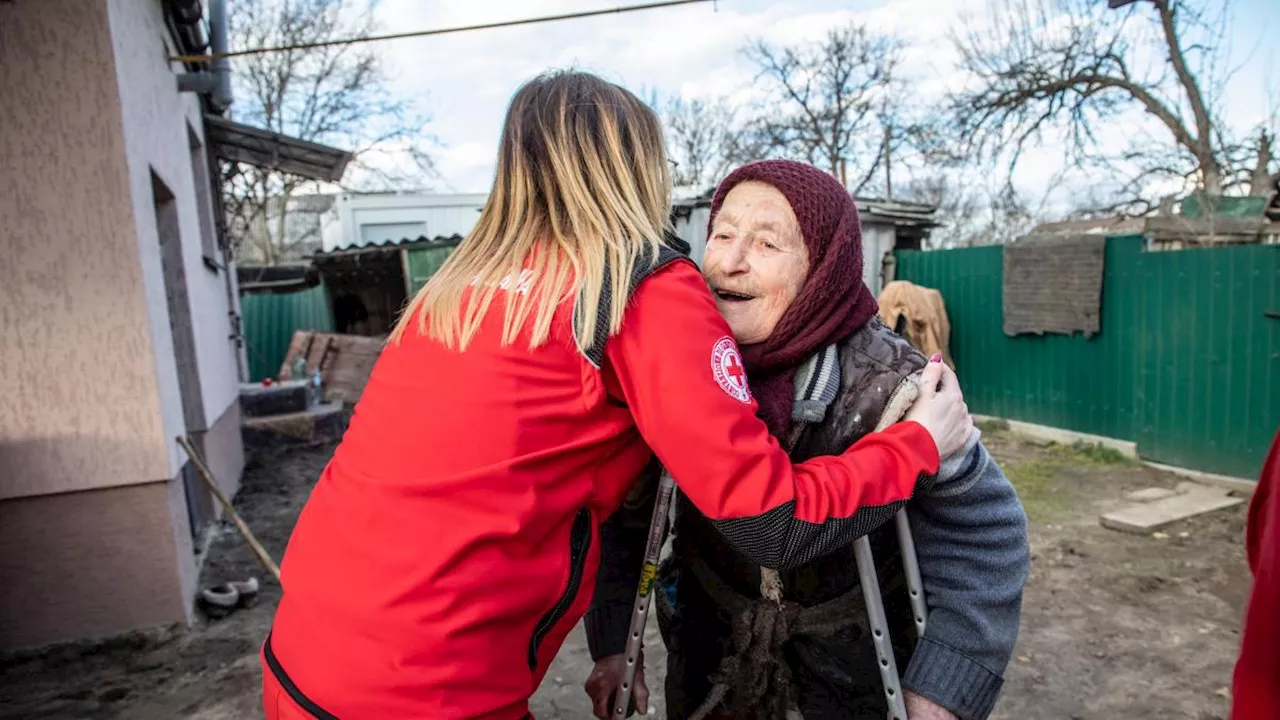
(94, 533)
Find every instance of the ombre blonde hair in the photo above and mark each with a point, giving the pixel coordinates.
(582, 195)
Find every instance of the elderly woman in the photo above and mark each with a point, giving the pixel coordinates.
(784, 261)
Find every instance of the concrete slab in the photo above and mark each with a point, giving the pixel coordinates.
(1151, 494)
(1240, 486)
(1146, 517)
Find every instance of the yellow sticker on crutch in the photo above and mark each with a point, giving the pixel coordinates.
(648, 574)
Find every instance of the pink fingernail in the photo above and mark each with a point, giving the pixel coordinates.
(937, 357)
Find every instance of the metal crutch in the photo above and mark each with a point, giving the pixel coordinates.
(879, 628)
(648, 576)
(911, 567)
(875, 604)
(875, 608)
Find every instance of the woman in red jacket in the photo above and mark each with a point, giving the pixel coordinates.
(445, 552)
(1256, 691)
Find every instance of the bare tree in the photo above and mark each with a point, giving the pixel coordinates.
(334, 95)
(834, 104)
(704, 141)
(973, 211)
(1080, 68)
(697, 132)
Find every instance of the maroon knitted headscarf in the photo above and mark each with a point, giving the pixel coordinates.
(833, 303)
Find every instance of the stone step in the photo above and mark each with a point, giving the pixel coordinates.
(282, 398)
(323, 423)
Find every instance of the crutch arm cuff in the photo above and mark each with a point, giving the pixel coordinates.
(952, 680)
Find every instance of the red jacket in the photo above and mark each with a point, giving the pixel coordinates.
(444, 554)
(1256, 691)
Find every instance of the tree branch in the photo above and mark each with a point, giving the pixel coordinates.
(826, 97)
(1179, 61)
(331, 95)
(871, 171)
(1069, 67)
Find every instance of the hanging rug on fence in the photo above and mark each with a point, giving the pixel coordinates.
(1053, 284)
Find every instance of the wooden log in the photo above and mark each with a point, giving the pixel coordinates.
(245, 532)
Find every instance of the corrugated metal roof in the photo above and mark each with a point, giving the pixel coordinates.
(1116, 225)
(237, 142)
(687, 198)
(897, 212)
(388, 246)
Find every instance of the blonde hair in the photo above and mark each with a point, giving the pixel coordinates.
(582, 195)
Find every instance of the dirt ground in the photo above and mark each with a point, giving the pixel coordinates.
(1113, 625)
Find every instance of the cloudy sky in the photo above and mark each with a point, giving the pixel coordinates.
(466, 79)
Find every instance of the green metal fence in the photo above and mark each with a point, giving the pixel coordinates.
(1187, 363)
(424, 262)
(270, 321)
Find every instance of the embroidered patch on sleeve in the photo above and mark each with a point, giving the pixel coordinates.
(727, 368)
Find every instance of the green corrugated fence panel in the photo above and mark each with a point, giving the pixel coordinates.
(1210, 389)
(270, 321)
(424, 262)
(1187, 363)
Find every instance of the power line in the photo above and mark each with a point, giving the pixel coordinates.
(425, 33)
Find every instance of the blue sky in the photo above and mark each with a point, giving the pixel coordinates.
(466, 79)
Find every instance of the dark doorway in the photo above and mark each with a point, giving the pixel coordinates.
(200, 508)
(366, 289)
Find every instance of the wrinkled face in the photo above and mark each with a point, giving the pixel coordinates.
(756, 261)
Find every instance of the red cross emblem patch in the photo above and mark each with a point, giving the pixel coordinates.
(726, 367)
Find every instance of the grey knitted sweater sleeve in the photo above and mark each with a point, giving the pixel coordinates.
(971, 538)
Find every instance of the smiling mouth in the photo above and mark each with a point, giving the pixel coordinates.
(730, 296)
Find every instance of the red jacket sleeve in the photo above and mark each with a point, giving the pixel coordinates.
(1256, 685)
(679, 371)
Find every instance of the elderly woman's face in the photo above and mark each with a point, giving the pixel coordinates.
(756, 261)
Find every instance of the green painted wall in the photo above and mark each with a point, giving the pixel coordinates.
(270, 321)
(1187, 363)
(424, 262)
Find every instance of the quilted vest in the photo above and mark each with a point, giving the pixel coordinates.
(873, 365)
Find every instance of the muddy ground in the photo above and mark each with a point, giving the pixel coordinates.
(1114, 625)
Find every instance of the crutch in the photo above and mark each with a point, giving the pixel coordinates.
(648, 576)
(875, 604)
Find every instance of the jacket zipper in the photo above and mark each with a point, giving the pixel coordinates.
(579, 543)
